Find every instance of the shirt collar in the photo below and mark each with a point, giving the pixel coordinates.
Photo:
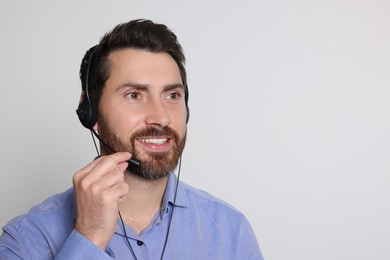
(166, 206)
(169, 196)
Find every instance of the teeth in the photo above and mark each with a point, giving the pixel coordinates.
(154, 141)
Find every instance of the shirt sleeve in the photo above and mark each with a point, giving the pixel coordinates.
(249, 247)
(16, 245)
(79, 247)
(9, 246)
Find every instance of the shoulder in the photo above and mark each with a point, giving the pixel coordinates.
(43, 229)
(57, 208)
(54, 204)
(202, 200)
(217, 222)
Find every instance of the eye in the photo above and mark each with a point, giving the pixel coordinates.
(174, 96)
(133, 95)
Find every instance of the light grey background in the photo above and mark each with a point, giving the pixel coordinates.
(289, 112)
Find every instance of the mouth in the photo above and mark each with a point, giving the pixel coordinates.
(157, 141)
(154, 144)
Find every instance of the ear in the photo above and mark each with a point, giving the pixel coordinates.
(95, 127)
(82, 96)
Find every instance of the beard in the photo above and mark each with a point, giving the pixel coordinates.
(154, 165)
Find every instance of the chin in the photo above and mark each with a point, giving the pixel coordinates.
(156, 166)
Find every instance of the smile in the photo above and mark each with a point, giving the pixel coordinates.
(154, 140)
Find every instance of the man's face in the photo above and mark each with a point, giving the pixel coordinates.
(142, 110)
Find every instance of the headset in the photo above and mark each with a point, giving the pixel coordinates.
(87, 109)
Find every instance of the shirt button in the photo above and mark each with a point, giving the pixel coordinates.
(140, 243)
(110, 252)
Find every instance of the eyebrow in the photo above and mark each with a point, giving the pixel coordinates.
(173, 86)
(143, 87)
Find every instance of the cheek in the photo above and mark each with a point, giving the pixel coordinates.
(182, 128)
(184, 113)
(182, 120)
(127, 118)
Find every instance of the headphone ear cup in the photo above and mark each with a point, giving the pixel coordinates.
(87, 109)
(87, 114)
(188, 114)
(186, 97)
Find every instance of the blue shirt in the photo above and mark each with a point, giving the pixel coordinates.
(202, 227)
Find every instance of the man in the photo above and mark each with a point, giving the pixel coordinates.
(135, 101)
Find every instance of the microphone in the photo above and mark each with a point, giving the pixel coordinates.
(134, 163)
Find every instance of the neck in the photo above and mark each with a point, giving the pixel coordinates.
(142, 201)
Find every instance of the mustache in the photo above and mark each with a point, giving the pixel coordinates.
(155, 132)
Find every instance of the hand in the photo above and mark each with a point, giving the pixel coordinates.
(99, 188)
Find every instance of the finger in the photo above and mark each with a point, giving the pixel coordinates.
(115, 194)
(86, 169)
(110, 163)
(120, 157)
(117, 157)
(101, 166)
(106, 181)
(123, 166)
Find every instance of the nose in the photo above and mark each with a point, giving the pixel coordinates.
(157, 114)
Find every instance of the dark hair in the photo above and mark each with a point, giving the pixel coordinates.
(137, 34)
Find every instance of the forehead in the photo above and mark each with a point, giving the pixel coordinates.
(143, 67)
